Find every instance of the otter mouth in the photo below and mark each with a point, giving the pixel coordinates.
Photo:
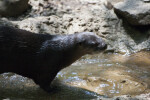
(98, 49)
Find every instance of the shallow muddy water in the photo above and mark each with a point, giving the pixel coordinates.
(111, 74)
(103, 75)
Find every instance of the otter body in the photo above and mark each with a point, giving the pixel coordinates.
(41, 56)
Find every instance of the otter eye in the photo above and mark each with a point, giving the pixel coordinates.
(82, 42)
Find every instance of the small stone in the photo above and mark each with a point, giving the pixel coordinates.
(123, 81)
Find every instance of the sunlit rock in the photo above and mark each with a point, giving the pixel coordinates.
(136, 12)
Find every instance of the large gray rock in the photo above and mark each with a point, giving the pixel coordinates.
(136, 12)
(13, 7)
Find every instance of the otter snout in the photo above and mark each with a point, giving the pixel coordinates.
(102, 45)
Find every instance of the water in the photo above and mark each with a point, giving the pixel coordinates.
(103, 75)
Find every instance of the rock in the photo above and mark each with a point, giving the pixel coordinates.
(136, 12)
(5, 22)
(108, 5)
(128, 97)
(51, 25)
(146, 0)
(13, 7)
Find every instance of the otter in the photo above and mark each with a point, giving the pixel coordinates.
(41, 56)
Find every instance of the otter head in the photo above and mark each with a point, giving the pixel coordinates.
(90, 42)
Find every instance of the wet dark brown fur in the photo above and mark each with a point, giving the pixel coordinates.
(40, 57)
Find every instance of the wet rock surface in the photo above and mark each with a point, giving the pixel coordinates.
(136, 12)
